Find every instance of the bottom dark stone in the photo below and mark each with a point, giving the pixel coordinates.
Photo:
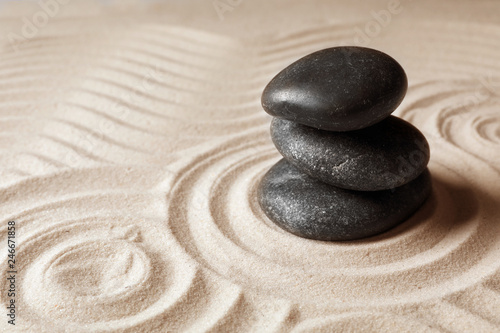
(309, 208)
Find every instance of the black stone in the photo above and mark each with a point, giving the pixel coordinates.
(337, 89)
(383, 156)
(309, 208)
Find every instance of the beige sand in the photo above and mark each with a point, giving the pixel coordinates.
(132, 140)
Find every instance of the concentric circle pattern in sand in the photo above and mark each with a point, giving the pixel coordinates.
(214, 214)
(97, 257)
(130, 161)
(464, 113)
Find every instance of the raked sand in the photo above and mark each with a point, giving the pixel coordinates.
(132, 140)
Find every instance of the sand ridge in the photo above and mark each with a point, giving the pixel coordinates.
(130, 161)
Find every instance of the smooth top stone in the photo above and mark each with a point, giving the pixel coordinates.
(337, 89)
(312, 209)
(383, 156)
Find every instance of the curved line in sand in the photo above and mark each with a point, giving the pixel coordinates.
(212, 202)
(212, 212)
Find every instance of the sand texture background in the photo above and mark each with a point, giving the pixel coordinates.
(132, 140)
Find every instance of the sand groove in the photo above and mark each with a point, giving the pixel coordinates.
(132, 177)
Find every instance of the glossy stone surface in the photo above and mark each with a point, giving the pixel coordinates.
(309, 208)
(383, 156)
(337, 89)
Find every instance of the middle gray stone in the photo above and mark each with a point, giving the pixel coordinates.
(386, 155)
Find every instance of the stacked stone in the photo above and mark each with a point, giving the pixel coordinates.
(350, 169)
